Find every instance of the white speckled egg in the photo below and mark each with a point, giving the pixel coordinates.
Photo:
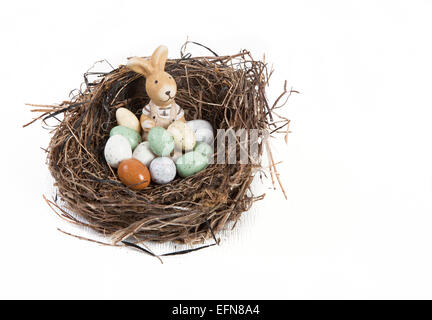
(203, 130)
(126, 118)
(184, 138)
(117, 149)
(199, 124)
(143, 153)
(162, 170)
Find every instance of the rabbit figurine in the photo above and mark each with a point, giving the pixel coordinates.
(160, 87)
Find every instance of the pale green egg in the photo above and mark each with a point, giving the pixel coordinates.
(131, 135)
(204, 148)
(161, 142)
(190, 163)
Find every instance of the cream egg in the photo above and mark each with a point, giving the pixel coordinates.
(117, 149)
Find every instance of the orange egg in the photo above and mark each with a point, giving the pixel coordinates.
(133, 174)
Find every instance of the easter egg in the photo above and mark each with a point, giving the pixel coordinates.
(131, 135)
(203, 130)
(162, 170)
(133, 174)
(205, 149)
(160, 141)
(184, 137)
(199, 124)
(191, 163)
(117, 149)
(143, 153)
(126, 118)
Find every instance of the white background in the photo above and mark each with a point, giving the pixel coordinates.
(357, 169)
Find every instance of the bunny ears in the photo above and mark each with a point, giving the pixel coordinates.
(148, 66)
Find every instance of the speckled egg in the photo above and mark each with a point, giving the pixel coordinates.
(126, 118)
(160, 141)
(203, 130)
(162, 170)
(143, 153)
(131, 135)
(134, 174)
(191, 163)
(205, 149)
(117, 149)
(184, 137)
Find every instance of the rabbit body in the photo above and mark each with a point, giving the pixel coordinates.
(153, 115)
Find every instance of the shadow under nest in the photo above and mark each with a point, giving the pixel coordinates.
(228, 91)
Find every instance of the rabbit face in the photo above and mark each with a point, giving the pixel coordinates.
(161, 88)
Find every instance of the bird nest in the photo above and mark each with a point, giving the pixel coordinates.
(228, 91)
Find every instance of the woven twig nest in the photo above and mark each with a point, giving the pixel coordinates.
(228, 91)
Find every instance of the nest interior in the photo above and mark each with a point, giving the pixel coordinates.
(228, 91)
